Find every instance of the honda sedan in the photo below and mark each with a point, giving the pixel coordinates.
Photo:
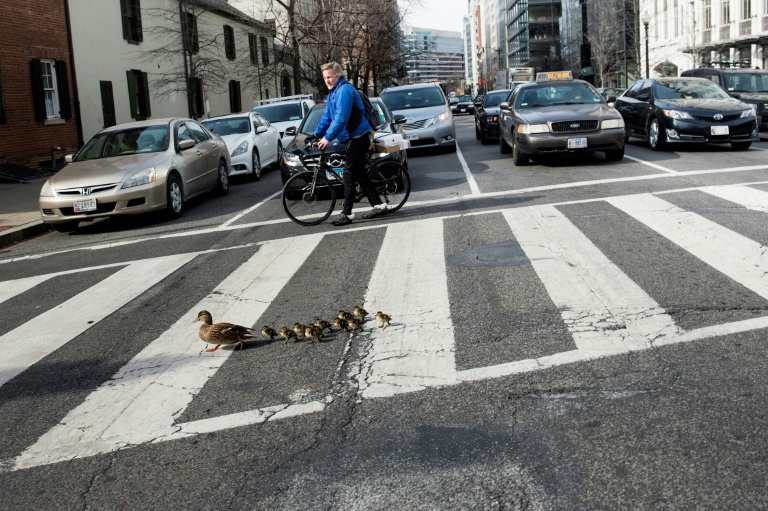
(134, 168)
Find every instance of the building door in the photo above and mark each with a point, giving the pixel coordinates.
(107, 104)
(286, 85)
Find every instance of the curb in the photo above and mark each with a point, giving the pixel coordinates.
(23, 232)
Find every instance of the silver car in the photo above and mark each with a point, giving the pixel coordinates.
(252, 141)
(429, 122)
(136, 168)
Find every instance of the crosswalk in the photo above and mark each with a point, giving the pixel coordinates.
(604, 311)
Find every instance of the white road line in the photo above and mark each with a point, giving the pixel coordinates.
(750, 198)
(140, 403)
(732, 254)
(49, 331)
(651, 164)
(409, 283)
(605, 310)
(470, 178)
(246, 211)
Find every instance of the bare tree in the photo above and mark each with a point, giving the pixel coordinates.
(605, 31)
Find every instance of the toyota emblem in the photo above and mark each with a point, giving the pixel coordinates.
(718, 117)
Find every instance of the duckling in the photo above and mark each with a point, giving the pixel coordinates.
(383, 318)
(268, 331)
(221, 333)
(311, 333)
(355, 324)
(287, 334)
(298, 328)
(322, 324)
(340, 324)
(359, 311)
(344, 315)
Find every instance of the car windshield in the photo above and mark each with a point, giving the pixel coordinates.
(687, 89)
(413, 98)
(313, 119)
(567, 93)
(228, 126)
(280, 113)
(465, 99)
(495, 98)
(746, 82)
(146, 139)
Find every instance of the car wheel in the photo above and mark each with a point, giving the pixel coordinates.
(255, 166)
(222, 180)
(174, 202)
(615, 155)
(478, 136)
(519, 158)
(503, 146)
(66, 226)
(655, 135)
(741, 146)
(276, 165)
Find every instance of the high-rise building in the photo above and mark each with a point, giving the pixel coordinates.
(434, 56)
(533, 33)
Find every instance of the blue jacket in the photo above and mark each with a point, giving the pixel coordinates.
(341, 101)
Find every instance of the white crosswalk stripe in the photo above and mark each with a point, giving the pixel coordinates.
(602, 308)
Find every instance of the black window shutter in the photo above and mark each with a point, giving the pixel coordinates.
(145, 84)
(139, 33)
(199, 99)
(125, 14)
(132, 88)
(38, 93)
(232, 96)
(65, 104)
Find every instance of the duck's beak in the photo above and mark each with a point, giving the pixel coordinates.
(196, 319)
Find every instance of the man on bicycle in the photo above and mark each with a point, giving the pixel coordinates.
(335, 125)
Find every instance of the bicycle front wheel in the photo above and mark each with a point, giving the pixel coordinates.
(308, 198)
(392, 182)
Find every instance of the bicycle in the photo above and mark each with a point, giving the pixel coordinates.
(309, 197)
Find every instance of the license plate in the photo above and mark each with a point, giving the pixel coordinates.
(719, 130)
(411, 136)
(577, 143)
(462, 109)
(337, 171)
(85, 205)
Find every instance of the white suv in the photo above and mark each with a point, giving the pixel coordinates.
(285, 112)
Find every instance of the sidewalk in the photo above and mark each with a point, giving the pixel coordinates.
(19, 213)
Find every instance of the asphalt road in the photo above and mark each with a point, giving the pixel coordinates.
(573, 334)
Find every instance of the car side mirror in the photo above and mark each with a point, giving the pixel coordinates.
(186, 144)
(261, 129)
(290, 130)
(504, 105)
(399, 119)
(735, 95)
(611, 99)
(68, 158)
(478, 104)
(643, 97)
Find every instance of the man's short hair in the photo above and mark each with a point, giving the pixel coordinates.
(333, 66)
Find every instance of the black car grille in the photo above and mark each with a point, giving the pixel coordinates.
(710, 118)
(574, 126)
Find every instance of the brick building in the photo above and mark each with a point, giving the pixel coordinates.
(37, 90)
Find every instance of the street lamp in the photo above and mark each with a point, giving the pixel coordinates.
(646, 20)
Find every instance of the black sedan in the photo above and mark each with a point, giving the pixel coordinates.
(464, 105)
(686, 110)
(291, 163)
(487, 115)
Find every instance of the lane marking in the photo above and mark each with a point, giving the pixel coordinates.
(730, 253)
(249, 210)
(141, 402)
(475, 190)
(651, 164)
(54, 328)
(750, 198)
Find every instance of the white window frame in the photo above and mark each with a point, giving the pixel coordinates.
(50, 90)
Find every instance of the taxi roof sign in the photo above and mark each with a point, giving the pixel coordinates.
(554, 75)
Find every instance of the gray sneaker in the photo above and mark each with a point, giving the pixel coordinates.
(375, 211)
(342, 219)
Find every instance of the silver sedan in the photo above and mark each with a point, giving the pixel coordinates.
(136, 168)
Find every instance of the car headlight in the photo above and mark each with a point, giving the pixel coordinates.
(47, 189)
(443, 116)
(677, 114)
(529, 129)
(749, 113)
(609, 124)
(291, 160)
(144, 177)
(242, 148)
